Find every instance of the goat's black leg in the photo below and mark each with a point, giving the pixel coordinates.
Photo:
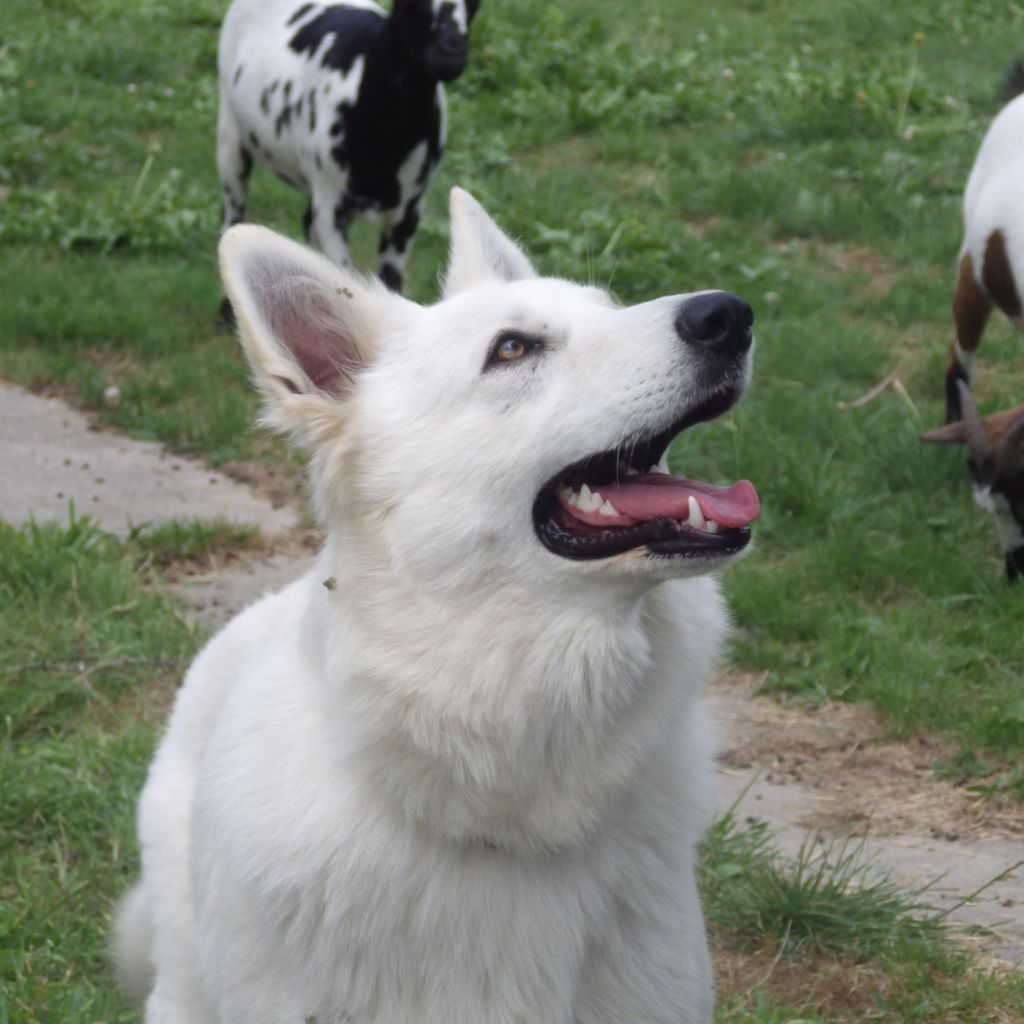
(1014, 564)
(971, 309)
(327, 222)
(395, 242)
(955, 372)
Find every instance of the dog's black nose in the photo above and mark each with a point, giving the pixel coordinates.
(716, 320)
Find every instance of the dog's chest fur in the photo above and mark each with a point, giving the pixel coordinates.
(525, 825)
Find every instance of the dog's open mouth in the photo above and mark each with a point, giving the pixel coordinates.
(618, 500)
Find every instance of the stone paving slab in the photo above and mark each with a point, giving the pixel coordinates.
(51, 456)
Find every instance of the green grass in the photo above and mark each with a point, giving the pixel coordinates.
(80, 628)
(809, 156)
(827, 897)
(197, 541)
(92, 652)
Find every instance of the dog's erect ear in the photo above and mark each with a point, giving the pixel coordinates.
(481, 252)
(307, 328)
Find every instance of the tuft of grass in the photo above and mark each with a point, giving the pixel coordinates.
(828, 937)
(989, 778)
(828, 898)
(197, 541)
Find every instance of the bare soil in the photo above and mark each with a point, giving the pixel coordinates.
(821, 984)
(862, 781)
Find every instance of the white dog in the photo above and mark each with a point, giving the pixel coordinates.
(455, 775)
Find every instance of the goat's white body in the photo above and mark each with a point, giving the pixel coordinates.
(254, 37)
(287, 108)
(994, 196)
(449, 776)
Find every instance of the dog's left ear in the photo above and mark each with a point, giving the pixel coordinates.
(308, 329)
(481, 252)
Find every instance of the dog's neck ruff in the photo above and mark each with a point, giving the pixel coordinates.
(520, 746)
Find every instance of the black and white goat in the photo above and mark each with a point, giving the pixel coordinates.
(345, 102)
(991, 269)
(995, 446)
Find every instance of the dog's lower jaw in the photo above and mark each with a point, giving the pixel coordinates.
(642, 570)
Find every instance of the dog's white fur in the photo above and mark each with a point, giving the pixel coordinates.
(462, 783)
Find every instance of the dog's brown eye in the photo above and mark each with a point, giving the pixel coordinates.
(511, 347)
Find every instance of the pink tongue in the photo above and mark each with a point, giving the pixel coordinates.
(659, 495)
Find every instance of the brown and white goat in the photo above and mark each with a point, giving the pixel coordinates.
(991, 269)
(995, 446)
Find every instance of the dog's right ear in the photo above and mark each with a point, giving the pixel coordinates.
(481, 252)
(307, 328)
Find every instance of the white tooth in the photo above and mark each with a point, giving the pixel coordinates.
(656, 468)
(696, 519)
(564, 492)
(573, 500)
(711, 526)
(585, 496)
(608, 509)
(630, 471)
(595, 502)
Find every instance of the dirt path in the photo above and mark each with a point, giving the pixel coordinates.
(824, 773)
(830, 773)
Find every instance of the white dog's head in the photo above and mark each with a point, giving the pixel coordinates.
(510, 430)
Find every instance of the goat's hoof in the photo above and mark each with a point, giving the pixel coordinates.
(1014, 564)
(391, 277)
